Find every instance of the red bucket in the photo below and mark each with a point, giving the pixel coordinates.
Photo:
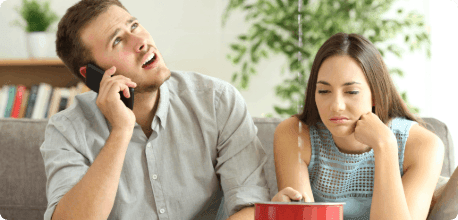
(302, 211)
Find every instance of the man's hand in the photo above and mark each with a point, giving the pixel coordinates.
(109, 100)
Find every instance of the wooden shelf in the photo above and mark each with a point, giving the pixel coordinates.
(32, 62)
(34, 71)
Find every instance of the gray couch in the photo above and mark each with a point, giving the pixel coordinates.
(23, 179)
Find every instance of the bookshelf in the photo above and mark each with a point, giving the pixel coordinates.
(34, 71)
(36, 88)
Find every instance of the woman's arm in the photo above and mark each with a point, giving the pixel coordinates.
(291, 170)
(409, 197)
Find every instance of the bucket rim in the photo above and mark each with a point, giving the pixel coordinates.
(301, 203)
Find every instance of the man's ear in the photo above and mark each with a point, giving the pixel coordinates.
(83, 71)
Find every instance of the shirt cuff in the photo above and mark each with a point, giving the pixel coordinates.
(246, 196)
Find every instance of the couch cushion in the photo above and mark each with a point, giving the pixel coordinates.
(23, 178)
(266, 130)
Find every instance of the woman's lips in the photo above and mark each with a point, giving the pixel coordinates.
(339, 120)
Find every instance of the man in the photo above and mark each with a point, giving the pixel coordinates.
(187, 136)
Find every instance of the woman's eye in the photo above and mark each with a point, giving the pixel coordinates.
(322, 91)
(353, 92)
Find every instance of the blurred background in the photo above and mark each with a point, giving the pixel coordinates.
(191, 37)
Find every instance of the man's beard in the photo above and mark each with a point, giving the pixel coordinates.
(150, 88)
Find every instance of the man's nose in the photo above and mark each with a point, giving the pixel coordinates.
(140, 43)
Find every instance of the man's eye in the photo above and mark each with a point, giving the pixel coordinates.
(353, 92)
(135, 25)
(116, 41)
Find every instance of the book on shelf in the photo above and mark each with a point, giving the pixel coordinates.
(25, 97)
(18, 101)
(3, 100)
(40, 101)
(54, 106)
(31, 101)
(48, 102)
(73, 93)
(10, 102)
(64, 97)
(44, 91)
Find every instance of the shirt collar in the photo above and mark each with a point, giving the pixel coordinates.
(163, 106)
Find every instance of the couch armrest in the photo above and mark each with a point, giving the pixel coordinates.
(440, 186)
(446, 204)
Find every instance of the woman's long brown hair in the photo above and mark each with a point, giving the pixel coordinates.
(388, 102)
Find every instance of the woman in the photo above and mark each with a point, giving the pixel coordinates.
(355, 139)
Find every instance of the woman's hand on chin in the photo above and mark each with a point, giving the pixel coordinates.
(287, 194)
(371, 131)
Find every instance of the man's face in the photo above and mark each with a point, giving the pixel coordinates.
(115, 38)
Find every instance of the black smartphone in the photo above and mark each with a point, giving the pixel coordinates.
(94, 76)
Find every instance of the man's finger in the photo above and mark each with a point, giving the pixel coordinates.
(112, 70)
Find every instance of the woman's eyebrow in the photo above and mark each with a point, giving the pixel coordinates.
(350, 83)
(345, 84)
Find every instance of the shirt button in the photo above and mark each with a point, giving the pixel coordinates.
(162, 211)
(154, 176)
(148, 145)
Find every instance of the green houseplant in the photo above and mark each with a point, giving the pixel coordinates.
(38, 17)
(274, 29)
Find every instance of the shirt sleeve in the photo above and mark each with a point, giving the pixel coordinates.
(64, 164)
(241, 157)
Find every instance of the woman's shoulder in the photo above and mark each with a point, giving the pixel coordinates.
(291, 124)
(292, 127)
(419, 135)
(286, 138)
(420, 143)
(414, 131)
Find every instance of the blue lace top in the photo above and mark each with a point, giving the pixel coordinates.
(339, 177)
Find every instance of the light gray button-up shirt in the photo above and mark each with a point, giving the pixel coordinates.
(204, 140)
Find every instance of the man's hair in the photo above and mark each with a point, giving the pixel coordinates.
(69, 45)
(388, 102)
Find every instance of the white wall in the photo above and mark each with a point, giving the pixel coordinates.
(190, 37)
(430, 83)
(188, 34)
(443, 72)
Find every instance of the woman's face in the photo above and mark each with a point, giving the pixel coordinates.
(342, 94)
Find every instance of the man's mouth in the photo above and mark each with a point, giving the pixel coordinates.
(150, 60)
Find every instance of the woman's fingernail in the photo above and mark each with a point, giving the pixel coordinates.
(298, 196)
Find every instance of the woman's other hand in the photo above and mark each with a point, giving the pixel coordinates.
(287, 194)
